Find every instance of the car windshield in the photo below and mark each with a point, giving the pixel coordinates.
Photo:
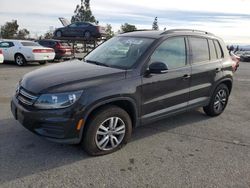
(30, 44)
(119, 52)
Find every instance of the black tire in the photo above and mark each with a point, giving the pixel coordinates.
(42, 62)
(91, 139)
(58, 33)
(20, 60)
(87, 35)
(218, 101)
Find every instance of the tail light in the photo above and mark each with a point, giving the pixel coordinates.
(42, 50)
(1, 52)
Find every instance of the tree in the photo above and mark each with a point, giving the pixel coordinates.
(128, 28)
(155, 24)
(9, 29)
(83, 13)
(22, 34)
(109, 32)
(48, 35)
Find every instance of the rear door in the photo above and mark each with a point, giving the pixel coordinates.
(206, 69)
(169, 92)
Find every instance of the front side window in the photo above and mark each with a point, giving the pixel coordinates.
(119, 52)
(200, 51)
(172, 52)
(73, 25)
(6, 44)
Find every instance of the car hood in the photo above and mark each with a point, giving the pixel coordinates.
(69, 76)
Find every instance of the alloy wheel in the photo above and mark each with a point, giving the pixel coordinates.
(19, 60)
(220, 100)
(110, 133)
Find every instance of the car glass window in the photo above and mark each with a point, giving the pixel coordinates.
(41, 42)
(200, 51)
(213, 54)
(4, 44)
(30, 44)
(11, 44)
(172, 52)
(51, 43)
(120, 52)
(73, 25)
(82, 24)
(218, 49)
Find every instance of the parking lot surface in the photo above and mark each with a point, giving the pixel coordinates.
(187, 150)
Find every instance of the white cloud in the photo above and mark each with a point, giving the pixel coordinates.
(38, 16)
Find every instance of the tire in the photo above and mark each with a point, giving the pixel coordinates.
(59, 33)
(218, 101)
(104, 143)
(42, 62)
(87, 35)
(20, 60)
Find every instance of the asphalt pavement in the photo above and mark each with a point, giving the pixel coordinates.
(187, 150)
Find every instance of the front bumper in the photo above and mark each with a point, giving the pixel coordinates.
(58, 125)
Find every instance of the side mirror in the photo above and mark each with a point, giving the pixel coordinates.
(158, 68)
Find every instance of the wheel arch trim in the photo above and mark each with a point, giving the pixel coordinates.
(97, 105)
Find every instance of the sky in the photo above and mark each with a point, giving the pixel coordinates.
(229, 19)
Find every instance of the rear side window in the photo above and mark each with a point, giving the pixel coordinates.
(218, 49)
(29, 44)
(200, 51)
(172, 52)
(213, 55)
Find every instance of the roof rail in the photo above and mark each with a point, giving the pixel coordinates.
(185, 30)
(138, 30)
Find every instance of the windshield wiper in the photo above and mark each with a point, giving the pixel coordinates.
(97, 63)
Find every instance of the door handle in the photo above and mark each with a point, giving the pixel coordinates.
(217, 70)
(186, 76)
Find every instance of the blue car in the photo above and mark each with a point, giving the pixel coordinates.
(80, 29)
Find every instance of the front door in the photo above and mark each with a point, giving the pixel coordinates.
(167, 93)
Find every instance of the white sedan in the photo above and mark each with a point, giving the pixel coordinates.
(23, 51)
(1, 56)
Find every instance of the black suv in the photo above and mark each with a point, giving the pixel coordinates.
(132, 79)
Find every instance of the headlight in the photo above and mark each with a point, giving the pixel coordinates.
(57, 100)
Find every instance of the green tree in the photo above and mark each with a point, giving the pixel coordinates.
(109, 31)
(128, 28)
(9, 29)
(22, 34)
(83, 13)
(155, 24)
(48, 35)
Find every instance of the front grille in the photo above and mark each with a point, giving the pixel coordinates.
(25, 97)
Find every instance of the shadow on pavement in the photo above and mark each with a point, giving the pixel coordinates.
(22, 153)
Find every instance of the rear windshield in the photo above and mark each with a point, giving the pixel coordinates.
(30, 44)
